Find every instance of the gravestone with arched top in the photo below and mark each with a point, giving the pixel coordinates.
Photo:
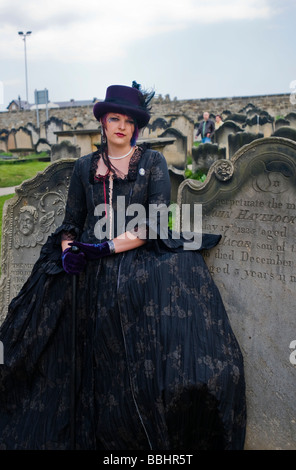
(251, 201)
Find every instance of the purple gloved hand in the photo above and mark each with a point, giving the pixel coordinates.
(73, 263)
(95, 251)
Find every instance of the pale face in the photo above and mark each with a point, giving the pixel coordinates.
(26, 223)
(119, 129)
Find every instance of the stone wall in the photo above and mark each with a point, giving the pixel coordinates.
(275, 105)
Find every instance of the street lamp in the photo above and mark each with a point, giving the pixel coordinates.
(24, 35)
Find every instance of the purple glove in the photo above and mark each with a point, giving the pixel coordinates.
(95, 251)
(73, 263)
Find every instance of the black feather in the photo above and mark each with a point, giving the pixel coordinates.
(146, 96)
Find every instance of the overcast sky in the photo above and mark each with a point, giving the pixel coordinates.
(188, 49)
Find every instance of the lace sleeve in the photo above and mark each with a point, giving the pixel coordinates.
(67, 235)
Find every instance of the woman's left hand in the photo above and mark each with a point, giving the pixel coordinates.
(93, 251)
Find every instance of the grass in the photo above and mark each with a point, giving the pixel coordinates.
(14, 173)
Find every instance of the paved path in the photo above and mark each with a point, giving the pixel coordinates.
(4, 191)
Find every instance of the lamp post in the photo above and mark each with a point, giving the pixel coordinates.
(24, 35)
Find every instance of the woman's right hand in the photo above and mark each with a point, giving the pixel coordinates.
(73, 263)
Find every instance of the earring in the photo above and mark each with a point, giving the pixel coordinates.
(103, 137)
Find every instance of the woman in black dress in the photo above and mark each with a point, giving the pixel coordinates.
(158, 365)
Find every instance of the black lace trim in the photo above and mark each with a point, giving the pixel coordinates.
(132, 170)
(68, 235)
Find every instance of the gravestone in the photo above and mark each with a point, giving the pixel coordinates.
(291, 117)
(42, 146)
(29, 218)
(64, 150)
(155, 127)
(185, 125)
(286, 132)
(252, 111)
(11, 143)
(175, 153)
(251, 201)
(238, 118)
(236, 141)
(34, 132)
(249, 108)
(23, 139)
(221, 134)
(51, 126)
(260, 123)
(3, 142)
(205, 155)
(281, 122)
(176, 178)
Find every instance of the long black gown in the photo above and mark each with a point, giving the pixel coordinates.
(158, 365)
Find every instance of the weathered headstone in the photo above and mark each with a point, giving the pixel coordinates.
(291, 117)
(35, 131)
(251, 201)
(249, 108)
(175, 153)
(3, 140)
(29, 218)
(238, 118)
(205, 155)
(43, 146)
(64, 150)
(155, 127)
(221, 134)
(281, 122)
(176, 178)
(23, 139)
(286, 132)
(185, 125)
(260, 123)
(236, 141)
(51, 126)
(11, 143)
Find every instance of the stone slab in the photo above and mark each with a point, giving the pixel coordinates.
(251, 200)
(29, 217)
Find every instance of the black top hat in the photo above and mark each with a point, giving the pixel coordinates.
(124, 100)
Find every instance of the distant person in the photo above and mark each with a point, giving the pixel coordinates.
(206, 128)
(218, 121)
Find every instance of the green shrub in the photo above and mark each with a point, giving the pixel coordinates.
(199, 175)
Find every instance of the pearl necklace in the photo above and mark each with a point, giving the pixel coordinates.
(123, 156)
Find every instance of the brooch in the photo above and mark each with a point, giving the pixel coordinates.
(141, 172)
